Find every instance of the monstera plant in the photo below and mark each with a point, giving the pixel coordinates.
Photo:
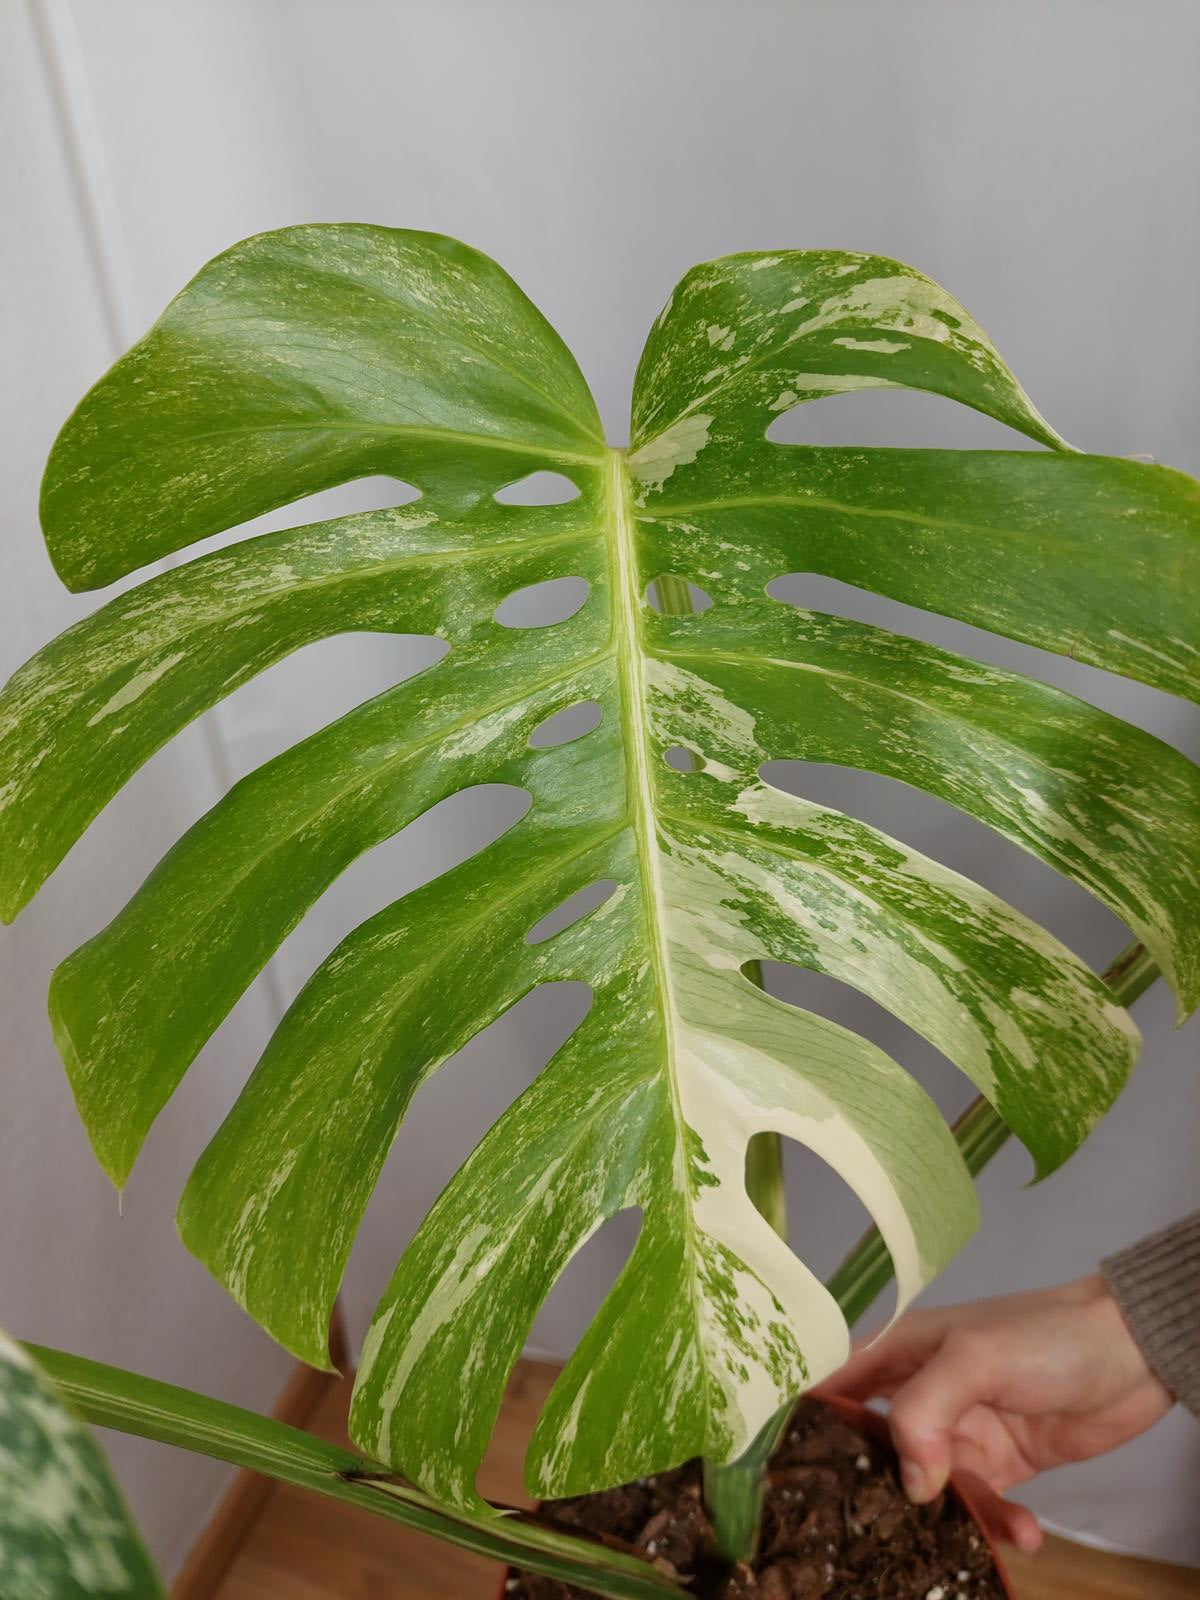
(313, 356)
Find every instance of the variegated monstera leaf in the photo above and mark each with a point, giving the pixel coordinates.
(308, 357)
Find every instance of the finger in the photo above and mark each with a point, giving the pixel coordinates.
(856, 1378)
(880, 1387)
(985, 1442)
(1002, 1519)
(890, 1357)
(878, 1363)
(960, 1374)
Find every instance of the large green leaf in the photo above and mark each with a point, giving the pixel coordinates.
(308, 357)
(65, 1532)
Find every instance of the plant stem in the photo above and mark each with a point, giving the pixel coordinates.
(764, 1158)
(673, 595)
(764, 1179)
(734, 1493)
(113, 1398)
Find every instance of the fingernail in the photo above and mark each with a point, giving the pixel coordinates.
(913, 1480)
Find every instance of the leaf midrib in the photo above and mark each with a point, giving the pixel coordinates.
(631, 665)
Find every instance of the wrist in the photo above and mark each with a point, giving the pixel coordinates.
(1156, 1285)
(1115, 1334)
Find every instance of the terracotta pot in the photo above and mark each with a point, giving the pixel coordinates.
(874, 1424)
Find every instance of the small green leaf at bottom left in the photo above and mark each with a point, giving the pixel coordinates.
(65, 1530)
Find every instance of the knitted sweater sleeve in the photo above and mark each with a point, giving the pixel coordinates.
(1156, 1283)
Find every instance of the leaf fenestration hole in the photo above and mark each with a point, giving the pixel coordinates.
(1156, 710)
(450, 832)
(455, 1107)
(841, 1002)
(826, 1218)
(538, 489)
(540, 605)
(358, 497)
(375, 493)
(886, 416)
(314, 685)
(664, 594)
(581, 1288)
(571, 910)
(679, 757)
(957, 840)
(572, 722)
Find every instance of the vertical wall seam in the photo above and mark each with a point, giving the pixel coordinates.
(62, 63)
(79, 136)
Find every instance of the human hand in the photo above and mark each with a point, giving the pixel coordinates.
(999, 1390)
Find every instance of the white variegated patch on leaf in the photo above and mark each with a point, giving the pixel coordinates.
(315, 355)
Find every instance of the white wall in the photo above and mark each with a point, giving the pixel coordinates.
(74, 1271)
(1041, 159)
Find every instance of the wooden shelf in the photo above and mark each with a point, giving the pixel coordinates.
(302, 1547)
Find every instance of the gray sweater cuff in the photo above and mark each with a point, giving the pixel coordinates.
(1156, 1283)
